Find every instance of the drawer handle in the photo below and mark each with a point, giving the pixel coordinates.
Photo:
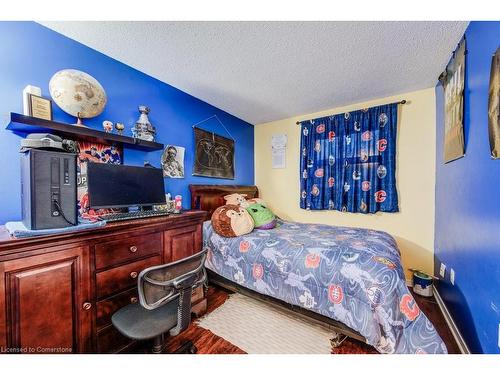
(133, 300)
(87, 306)
(133, 275)
(133, 249)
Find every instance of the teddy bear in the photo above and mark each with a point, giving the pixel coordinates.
(232, 221)
(240, 200)
(262, 216)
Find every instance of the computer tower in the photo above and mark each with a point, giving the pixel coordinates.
(48, 189)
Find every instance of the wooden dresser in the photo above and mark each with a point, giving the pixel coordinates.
(57, 293)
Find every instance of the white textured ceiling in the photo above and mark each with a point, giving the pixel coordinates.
(264, 71)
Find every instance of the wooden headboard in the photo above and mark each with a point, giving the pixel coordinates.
(209, 197)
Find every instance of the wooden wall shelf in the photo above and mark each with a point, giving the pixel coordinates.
(27, 124)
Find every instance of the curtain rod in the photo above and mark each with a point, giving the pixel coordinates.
(400, 102)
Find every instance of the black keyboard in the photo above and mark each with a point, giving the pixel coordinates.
(132, 215)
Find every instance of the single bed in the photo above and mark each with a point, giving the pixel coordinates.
(350, 278)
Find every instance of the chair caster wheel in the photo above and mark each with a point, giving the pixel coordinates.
(187, 348)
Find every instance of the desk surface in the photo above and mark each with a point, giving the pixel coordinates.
(8, 242)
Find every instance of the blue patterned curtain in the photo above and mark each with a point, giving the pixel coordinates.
(348, 161)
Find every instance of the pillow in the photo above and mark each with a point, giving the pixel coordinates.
(231, 221)
(262, 216)
(236, 199)
(240, 200)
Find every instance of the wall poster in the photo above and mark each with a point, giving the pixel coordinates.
(214, 155)
(93, 153)
(172, 161)
(278, 151)
(494, 106)
(453, 81)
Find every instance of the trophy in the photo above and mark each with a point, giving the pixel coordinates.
(143, 128)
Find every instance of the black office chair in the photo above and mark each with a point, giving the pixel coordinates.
(165, 302)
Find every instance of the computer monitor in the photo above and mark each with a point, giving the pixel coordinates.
(115, 186)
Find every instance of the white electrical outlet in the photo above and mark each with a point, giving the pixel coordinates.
(452, 276)
(442, 270)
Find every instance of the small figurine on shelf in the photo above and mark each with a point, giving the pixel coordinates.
(178, 204)
(119, 127)
(107, 126)
(143, 128)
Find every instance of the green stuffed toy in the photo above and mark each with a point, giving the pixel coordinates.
(262, 216)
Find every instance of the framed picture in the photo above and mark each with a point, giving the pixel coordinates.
(39, 107)
(214, 155)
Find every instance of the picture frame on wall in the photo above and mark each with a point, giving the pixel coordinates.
(214, 155)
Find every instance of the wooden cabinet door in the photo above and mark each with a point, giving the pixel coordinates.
(45, 304)
(182, 242)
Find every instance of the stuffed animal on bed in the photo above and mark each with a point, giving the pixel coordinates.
(262, 216)
(240, 200)
(232, 221)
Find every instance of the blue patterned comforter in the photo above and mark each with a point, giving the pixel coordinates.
(349, 274)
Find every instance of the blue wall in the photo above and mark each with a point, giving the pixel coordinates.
(31, 54)
(468, 205)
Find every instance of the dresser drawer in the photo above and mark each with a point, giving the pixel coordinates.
(114, 252)
(107, 307)
(122, 277)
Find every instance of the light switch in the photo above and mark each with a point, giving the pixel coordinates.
(452, 276)
(442, 270)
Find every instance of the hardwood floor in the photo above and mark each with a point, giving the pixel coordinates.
(203, 339)
(431, 309)
(209, 343)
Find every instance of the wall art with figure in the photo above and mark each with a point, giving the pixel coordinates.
(93, 153)
(172, 161)
(453, 81)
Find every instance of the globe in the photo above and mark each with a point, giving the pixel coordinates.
(77, 93)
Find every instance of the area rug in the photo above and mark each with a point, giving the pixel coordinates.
(258, 328)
